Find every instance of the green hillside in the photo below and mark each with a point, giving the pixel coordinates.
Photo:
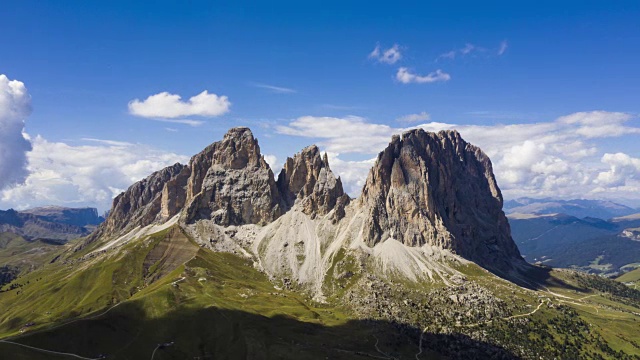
(631, 278)
(164, 288)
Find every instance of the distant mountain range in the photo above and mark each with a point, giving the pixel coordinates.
(30, 237)
(580, 208)
(596, 236)
(50, 223)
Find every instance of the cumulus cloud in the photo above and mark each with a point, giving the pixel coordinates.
(622, 168)
(353, 173)
(413, 118)
(84, 175)
(557, 158)
(405, 76)
(272, 160)
(348, 134)
(388, 56)
(595, 124)
(15, 107)
(170, 106)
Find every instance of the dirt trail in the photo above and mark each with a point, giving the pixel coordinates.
(48, 351)
(477, 324)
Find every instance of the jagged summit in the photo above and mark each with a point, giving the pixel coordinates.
(231, 183)
(436, 189)
(308, 179)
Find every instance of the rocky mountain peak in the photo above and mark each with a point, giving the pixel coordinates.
(307, 178)
(231, 183)
(436, 189)
(238, 149)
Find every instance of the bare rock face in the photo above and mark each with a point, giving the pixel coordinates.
(436, 189)
(231, 183)
(174, 194)
(142, 203)
(307, 179)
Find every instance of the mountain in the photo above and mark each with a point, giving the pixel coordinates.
(426, 191)
(220, 259)
(592, 245)
(579, 208)
(64, 215)
(436, 189)
(56, 224)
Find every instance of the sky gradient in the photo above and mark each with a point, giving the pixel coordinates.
(111, 91)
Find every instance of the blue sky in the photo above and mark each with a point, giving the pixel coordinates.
(83, 62)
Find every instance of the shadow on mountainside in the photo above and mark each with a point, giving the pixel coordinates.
(536, 277)
(212, 333)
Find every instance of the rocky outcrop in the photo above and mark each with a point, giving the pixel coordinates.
(174, 194)
(436, 189)
(231, 183)
(307, 179)
(142, 203)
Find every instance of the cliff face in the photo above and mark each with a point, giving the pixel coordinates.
(142, 203)
(231, 183)
(437, 189)
(307, 179)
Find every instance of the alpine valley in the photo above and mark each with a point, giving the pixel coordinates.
(220, 259)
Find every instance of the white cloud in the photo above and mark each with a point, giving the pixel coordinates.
(108, 142)
(622, 168)
(272, 160)
(469, 49)
(189, 122)
(448, 55)
(352, 173)
(388, 56)
(504, 45)
(466, 50)
(348, 134)
(276, 89)
(406, 77)
(412, 118)
(168, 106)
(84, 175)
(15, 107)
(556, 158)
(595, 124)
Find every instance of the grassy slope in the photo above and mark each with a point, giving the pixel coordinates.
(632, 278)
(18, 252)
(217, 303)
